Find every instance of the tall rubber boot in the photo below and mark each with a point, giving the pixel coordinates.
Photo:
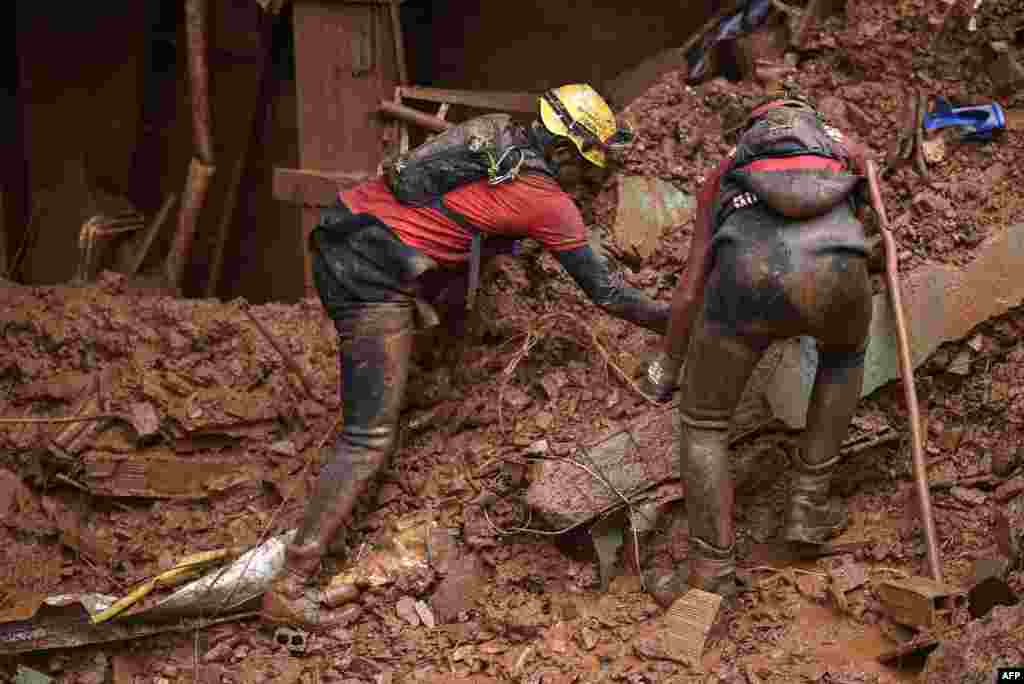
(709, 504)
(375, 348)
(811, 518)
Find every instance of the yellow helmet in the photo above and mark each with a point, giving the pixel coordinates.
(577, 112)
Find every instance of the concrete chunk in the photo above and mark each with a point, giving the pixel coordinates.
(648, 207)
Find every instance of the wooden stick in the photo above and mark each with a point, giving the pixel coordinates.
(289, 361)
(60, 419)
(197, 186)
(196, 12)
(907, 371)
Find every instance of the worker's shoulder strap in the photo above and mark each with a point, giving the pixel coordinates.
(475, 250)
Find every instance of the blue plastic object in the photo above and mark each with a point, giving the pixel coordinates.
(976, 122)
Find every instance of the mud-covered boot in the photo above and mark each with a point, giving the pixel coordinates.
(811, 517)
(293, 597)
(709, 568)
(375, 346)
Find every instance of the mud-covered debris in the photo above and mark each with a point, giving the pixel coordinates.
(336, 595)
(594, 479)
(145, 421)
(990, 592)
(403, 554)
(425, 614)
(980, 648)
(515, 398)
(811, 586)
(680, 634)
(1010, 489)
(920, 602)
(553, 383)
(284, 447)
(405, 608)
(160, 473)
(1006, 70)
(459, 591)
(971, 497)
(27, 675)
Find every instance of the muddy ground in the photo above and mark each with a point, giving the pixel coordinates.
(224, 463)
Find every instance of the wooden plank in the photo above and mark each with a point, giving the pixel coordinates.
(339, 130)
(312, 188)
(525, 103)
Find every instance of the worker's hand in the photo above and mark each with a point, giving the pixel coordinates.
(659, 378)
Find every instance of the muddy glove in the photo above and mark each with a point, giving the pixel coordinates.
(659, 379)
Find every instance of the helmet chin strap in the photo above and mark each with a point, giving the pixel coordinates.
(545, 141)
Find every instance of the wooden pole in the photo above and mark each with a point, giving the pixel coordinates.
(414, 116)
(201, 170)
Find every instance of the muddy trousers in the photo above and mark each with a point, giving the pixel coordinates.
(375, 345)
(829, 298)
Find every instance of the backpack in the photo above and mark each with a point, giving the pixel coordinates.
(490, 147)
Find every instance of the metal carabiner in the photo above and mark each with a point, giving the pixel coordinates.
(512, 173)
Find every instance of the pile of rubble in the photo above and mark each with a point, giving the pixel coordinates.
(161, 428)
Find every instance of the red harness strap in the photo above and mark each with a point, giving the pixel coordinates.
(803, 161)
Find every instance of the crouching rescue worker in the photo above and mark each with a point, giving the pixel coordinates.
(431, 211)
(778, 251)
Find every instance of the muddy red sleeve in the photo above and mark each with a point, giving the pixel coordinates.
(690, 291)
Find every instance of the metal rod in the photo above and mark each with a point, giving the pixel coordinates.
(907, 370)
(414, 116)
(199, 77)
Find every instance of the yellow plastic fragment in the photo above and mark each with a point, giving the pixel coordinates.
(183, 569)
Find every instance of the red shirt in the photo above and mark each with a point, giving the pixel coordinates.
(531, 206)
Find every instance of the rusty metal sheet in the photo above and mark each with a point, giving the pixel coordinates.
(160, 473)
(338, 126)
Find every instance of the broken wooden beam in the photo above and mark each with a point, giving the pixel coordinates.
(313, 188)
(525, 103)
(414, 116)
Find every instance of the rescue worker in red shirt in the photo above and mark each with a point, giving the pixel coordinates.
(778, 251)
(369, 258)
